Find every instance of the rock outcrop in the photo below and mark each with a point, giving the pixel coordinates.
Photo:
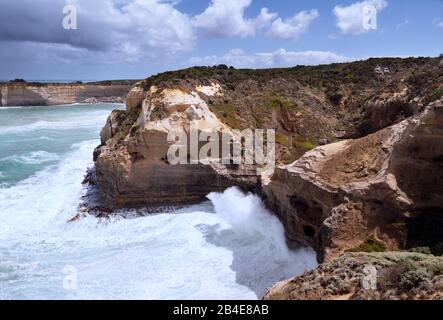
(367, 276)
(38, 94)
(132, 167)
(374, 184)
(306, 106)
(337, 196)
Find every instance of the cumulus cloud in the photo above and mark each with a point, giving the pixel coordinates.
(130, 27)
(226, 18)
(126, 36)
(279, 58)
(292, 28)
(354, 19)
(265, 18)
(134, 30)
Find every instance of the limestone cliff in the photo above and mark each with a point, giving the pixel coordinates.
(36, 94)
(359, 149)
(306, 106)
(337, 196)
(131, 164)
(380, 184)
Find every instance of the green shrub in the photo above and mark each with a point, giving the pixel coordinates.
(438, 93)
(282, 140)
(303, 144)
(278, 102)
(413, 278)
(307, 145)
(273, 104)
(423, 250)
(228, 116)
(371, 245)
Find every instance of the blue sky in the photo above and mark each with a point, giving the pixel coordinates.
(135, 38)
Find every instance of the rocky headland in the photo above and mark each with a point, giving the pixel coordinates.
(21, 93)
(358, 147)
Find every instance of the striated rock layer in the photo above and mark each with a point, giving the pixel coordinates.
(338, 196)
(306, 106)
(132, 167)
(359, 148)
(363, 276)
(42, 94)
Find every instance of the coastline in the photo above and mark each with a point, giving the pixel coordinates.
(20, 93)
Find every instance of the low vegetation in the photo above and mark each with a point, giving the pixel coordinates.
(370, 245)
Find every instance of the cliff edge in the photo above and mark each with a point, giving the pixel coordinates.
(358, 147)
(20, 93)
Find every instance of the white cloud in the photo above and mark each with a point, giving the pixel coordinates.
(292, 28)
(132, 28)
(226, 18)
(265, 18)
(141, 25)
(354, 19)
(279, 58)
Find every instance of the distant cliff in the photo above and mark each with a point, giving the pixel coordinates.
(20, 93)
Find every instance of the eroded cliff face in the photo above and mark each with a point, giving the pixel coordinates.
(132, 168)
(359, 149)
(338, 196)
(37, 94)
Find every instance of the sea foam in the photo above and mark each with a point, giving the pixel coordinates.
(229, 247)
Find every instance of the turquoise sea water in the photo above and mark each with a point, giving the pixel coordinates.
(33, 138)
(229, 247)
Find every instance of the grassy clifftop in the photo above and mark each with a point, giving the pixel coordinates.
(313, 105)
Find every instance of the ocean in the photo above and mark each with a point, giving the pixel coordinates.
(228, 247)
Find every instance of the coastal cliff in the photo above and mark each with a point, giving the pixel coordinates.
(306, 106)
(20, 93)
(131, 164)
(358, 149)
(338, 196)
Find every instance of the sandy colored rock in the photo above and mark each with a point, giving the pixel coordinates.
(367, 276)
(131, 165)
(41, 94)
(338, 195)
(377, 188)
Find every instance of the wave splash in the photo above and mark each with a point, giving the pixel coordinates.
(230, 247)
(257, 239)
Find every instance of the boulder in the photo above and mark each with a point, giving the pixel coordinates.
(367, 276)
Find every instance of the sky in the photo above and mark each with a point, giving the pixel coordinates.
(133, 39)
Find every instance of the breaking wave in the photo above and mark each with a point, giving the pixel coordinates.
(230, 247)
